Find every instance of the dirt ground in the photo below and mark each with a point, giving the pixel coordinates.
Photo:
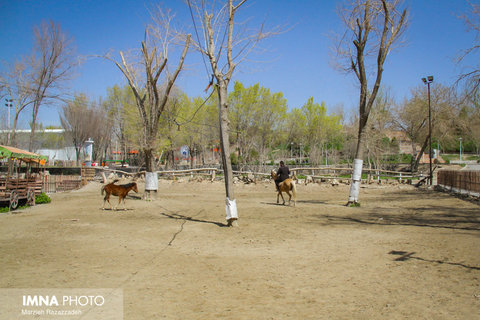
(406, 253)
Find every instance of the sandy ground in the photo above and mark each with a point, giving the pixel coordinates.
(404, 254)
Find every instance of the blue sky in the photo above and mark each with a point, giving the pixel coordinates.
(297, 63)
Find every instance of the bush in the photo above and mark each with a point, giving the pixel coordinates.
(42, 198)
(234, 159)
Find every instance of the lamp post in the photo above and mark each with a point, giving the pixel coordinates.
(428, 80)
(300, 153)
(460, 148)
(9, 104)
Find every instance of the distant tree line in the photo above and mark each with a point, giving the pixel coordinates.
(264, 129)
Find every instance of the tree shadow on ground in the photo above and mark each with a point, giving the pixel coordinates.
(405, 256)
(178, 216)
(462, 221)
(432, 194)
(436, 213)
(437, 216)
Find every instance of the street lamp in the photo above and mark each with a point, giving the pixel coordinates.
(428, 81)
(300, 153)
(9, 104)
(460, 148)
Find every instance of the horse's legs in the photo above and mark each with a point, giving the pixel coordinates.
(281, 194)
(107, 198)
(289, 197)
(119, 200)
(124, 206)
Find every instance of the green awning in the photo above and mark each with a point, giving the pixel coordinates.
(26, 156)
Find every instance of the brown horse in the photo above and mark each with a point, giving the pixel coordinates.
(286, 186)
(120, 191)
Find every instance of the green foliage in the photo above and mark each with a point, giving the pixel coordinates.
(234, 158)
(473, 158)
(121, 108)
(42, 198)
(398, 158)
(313, 130)
(39, 199)
(256, 116)
(7, 209)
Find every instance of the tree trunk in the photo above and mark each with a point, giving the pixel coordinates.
(420, 154)
(151, 176)
(13, 138)
(32, 136)
(149, 159)
(357, 166)
(225, 152)
(77, 154)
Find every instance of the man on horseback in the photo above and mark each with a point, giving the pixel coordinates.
(282, 174)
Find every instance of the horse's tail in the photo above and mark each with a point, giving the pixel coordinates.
(294, 192)
(103, 189)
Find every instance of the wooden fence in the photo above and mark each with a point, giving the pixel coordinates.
(460, 181)
(316, 173)
(60, 183)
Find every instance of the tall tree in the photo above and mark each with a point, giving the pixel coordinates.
(76, 119)
(224, 49)
(151, 97)
(471, 74)
(411, 117)
(123, 115)
(469, 121)
(256, 114)
(372, 28)
(51, 65)
(17, 86)
(320, 129)
(378, 143)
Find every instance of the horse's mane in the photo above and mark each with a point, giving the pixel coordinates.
(128, 185)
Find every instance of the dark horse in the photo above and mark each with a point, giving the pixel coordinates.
(120, 191)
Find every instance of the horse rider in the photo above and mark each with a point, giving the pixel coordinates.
(282, 173)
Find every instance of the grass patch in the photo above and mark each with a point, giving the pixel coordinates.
(42, 198)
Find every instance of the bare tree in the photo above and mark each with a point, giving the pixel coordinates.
(381, 122)
(471, 76)
(411, 117)
(16, 85)
(122, 112)
(77, 119)
(51, 65)
(143, 78)
(224, 49)
(372, 28)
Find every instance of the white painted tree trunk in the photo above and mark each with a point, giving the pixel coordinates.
(231, 206)
(356, 181)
